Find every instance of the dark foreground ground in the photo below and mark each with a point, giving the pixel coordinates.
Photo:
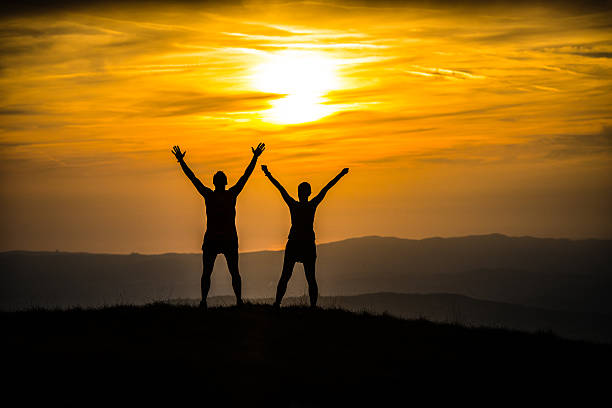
(255, 356)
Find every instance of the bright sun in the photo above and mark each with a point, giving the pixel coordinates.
(305, 78)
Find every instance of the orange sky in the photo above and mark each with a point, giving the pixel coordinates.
(453, 121)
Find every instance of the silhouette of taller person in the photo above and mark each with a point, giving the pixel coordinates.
(220, 236)
(301, 245)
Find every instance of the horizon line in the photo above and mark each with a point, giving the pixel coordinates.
(133, 253)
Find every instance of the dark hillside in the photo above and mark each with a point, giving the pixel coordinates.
(456, 309)
(256, 356)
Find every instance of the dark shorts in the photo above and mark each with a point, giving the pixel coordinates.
(220, 246)
(301, 251)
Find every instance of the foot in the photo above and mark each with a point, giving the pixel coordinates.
(276, 305)
(203, 305)
(239, 303)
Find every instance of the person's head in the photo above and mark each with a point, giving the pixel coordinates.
(304, 191)
(220, 180)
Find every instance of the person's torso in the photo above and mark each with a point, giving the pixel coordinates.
(221, 214)
(302, 221)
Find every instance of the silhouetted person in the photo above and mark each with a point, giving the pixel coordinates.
(220, 236)
(301, 245)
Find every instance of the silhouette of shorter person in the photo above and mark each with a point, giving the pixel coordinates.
(301, 245)
(220, 236)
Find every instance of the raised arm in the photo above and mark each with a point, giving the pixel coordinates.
(319, 197)
(180, 157)
(288, 199)
(237, 188)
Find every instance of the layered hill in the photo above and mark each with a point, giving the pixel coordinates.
(560, 274)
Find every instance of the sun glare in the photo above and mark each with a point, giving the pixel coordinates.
(305, 78)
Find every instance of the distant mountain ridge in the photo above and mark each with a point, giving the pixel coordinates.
(542, 272)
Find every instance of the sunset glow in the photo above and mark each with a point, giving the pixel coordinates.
(453, 120)
(304, 78)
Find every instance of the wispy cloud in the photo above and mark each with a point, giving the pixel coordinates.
(436, 105)
(190, 103)
(443, 73)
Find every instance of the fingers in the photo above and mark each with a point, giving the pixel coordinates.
(259, 149)
(176, 150)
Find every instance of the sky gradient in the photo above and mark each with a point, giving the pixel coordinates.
(453, 121)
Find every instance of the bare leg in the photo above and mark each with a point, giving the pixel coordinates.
(208, 262)
(232, 265)
(288, 265)
(313, 289)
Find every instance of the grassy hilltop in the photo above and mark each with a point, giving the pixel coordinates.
(256, 356)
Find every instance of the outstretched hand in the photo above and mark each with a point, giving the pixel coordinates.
(344, 171)
(265, 169)
(259, 149)
(177, 153)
